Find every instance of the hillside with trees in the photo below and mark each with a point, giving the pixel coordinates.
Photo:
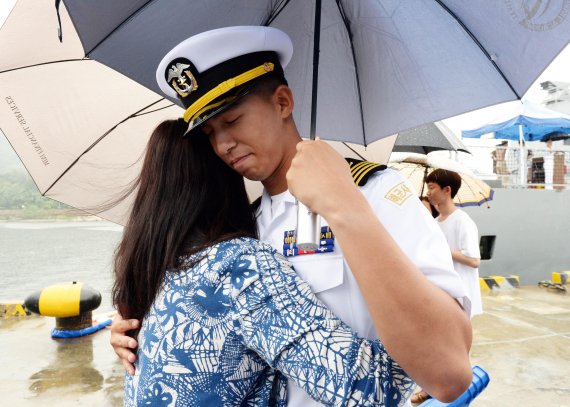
(20, 199)
(18, 191)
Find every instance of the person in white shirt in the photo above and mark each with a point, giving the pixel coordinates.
(392, 279)
(462, 236)
(459, 230)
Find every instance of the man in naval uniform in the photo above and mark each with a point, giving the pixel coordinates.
(393, 278)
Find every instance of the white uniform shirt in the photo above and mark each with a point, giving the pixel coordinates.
(404, 217)
(462, 234)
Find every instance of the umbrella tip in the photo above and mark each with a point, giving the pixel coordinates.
(59, 30)
(486, 200)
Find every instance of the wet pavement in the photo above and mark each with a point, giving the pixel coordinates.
(522, 340)
(36, 370)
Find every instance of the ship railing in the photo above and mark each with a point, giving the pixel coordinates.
(509, 166)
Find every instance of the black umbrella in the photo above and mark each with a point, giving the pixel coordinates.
(427, 138)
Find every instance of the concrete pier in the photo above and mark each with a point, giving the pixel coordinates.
(522, 340)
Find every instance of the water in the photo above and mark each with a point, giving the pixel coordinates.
(34, 255)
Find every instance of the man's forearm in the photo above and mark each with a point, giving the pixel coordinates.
(422, 327)
(463, 259)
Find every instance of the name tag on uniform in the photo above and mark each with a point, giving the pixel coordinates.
(326, 245)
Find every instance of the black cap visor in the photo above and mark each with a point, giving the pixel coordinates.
(219, 105)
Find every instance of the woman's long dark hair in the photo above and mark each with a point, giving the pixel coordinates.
(187, 200)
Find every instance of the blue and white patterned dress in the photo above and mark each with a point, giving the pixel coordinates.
(231, 329)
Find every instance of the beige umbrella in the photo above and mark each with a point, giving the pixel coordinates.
(416, 167)
(78, 127)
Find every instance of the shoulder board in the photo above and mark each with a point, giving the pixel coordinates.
(361, 170)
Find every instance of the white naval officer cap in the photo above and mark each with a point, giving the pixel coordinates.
(209, 71)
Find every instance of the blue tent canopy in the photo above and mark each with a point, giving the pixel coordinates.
(535, 122)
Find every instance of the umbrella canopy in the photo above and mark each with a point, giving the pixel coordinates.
(79, 112)
(427, 138)
(385, 66)
(528, 121)
(416, 167)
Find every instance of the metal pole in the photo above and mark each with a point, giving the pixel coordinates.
(522, 155)
(316, 51)
(308, 231)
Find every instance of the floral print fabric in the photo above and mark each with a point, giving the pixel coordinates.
(230, 329)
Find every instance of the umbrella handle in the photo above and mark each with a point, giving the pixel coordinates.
(308, 231)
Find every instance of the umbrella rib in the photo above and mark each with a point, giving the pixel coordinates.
(354, 151)
(349, 32)
(452, 14)
(46, 63)
(152, 111)
(275, 13)
(119, 26)
(97, 142)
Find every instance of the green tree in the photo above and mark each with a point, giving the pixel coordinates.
(17, 190)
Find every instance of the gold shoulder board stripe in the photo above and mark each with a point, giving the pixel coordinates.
(361, 170)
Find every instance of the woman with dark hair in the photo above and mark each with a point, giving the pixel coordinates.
(187, 200)
(225, 318)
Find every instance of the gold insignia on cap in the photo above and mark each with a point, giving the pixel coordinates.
(181, 79)
(399, 194)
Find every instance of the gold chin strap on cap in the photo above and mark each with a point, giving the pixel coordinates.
(212, 106)
(199, 106)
